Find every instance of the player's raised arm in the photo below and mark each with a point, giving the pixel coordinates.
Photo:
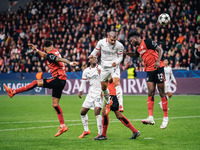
(160, 53)
(131, 54)
(60, 59)
(173, 78)
(120, 56)
(95, 51)
(42, 54)
(83, 83)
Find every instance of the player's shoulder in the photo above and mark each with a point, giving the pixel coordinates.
(86, 69)
(54, 51)
(119, 44)
(147, 40)
(104, 40)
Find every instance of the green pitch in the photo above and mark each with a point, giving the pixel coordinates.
(30, 123)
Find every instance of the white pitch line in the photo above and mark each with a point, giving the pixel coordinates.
(112, 120)
(92, 120)
(148, 138)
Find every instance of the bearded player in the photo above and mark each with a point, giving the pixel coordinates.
(94, 98)
(111, 56)
(56, 83)
(119, 115)
(168, 76)
(151, 54)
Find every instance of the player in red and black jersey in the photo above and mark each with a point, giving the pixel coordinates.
(151, 54)
(56, 83)
(115, 107)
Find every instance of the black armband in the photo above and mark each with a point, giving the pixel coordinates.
(51, 57)
(150, 44)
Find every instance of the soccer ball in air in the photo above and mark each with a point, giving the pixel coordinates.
(164, 19)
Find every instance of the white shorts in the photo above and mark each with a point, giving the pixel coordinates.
(168, 88)
(92, 101)
(106, 72)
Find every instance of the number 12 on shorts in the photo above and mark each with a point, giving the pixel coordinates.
(160, 77)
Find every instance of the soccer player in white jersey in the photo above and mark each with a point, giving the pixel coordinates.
(111, 56)
(168, 76)
(94, 98)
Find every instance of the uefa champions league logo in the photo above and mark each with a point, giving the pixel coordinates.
(38, 89)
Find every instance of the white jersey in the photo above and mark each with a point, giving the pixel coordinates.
(168, 75)
(92, 75)
(109, 53)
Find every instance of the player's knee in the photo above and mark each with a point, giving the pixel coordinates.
(55, 104)
(97, 112)
(169, 95)
(162, 94)
(150, 93)
(104, 112)
(83, 113)
(104, 88)
(118, 115)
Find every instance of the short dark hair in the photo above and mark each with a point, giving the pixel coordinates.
(133, 33)
(48, 43)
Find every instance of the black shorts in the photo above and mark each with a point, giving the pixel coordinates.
(156, 76)
(56, 85)
(115, 105)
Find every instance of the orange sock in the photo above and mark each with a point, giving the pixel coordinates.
(165, 106)
(60, 114)
(28, 87)
(105, 122)
(150, 103)
(128, 124)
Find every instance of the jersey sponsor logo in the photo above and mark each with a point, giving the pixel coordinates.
(107, 52)
(93, 77)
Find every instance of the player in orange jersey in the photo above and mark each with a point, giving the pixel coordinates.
(57, 82)
(119, 115)
(151, 54)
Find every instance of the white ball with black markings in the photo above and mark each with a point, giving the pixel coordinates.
(164, 19)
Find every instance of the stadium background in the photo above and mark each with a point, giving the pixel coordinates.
(75, 27)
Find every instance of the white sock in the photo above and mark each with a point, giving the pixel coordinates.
(99, 124)
(151, 117)
(119, 94)
(166, 118)
(106, 96)
(160, 104)
(167, 97)
(84, 119)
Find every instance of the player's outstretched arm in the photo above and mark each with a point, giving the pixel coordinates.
(80, 94)
(160, 53)
(59, 59)
(42, 54)
(131, 54)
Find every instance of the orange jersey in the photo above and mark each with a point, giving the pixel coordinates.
(147, 50)
(111, 88)
(56, 68)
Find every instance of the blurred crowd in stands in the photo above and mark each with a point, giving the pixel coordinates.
(75, 26)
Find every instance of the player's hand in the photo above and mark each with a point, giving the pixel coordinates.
(33, 46)
(175, 83)
(99, 71)
(114, 64)
(74, 63)
(80, 94)
(91, 56)
(157, 64)
(101, 94)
